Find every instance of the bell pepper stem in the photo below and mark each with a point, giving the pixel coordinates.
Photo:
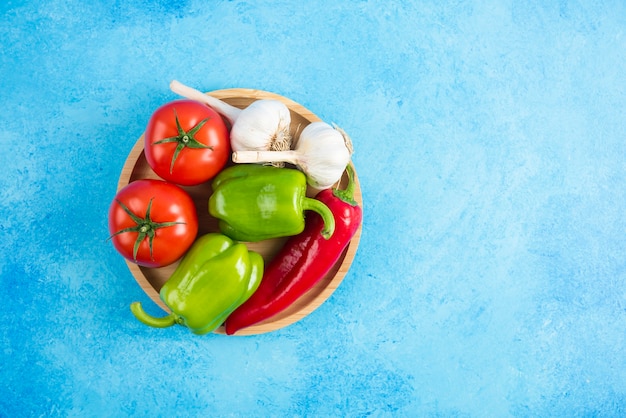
(152, 321)
(326, 214)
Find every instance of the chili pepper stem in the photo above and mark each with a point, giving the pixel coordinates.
(326, 214)
(152, 321)
(347, 194)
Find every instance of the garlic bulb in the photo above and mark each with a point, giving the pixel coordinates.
(321, 153)
(262, 126)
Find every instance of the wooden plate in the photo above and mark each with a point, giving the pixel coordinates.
(151, 279)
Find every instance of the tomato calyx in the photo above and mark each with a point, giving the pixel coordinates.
(184, 139)
(145, 227)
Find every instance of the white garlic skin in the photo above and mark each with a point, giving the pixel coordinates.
(261, 126)
(323, 154)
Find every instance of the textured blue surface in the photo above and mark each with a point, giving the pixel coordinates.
(490, 141)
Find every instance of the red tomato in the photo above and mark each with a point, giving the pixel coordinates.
(186, 142)
(152, 222)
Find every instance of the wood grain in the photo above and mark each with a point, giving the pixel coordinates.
(152, 279)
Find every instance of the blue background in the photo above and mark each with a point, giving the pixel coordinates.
(490, 143)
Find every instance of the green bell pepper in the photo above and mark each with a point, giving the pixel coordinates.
(214, 277)
(255, 202)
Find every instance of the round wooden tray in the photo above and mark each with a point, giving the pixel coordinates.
(151, 279)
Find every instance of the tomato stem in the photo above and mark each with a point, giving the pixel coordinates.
(184, 139)
(145, 227)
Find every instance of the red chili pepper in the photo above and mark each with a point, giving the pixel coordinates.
(303, 261)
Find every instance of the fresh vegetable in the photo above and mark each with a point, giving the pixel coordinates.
(213, 278)
(186, 142)
(321, 152)
(255, 202)
(152, 222)
(261, 126)
(303, 261)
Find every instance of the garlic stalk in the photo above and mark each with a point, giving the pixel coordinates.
(228, 111)
(321, 153)
(261, 126)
